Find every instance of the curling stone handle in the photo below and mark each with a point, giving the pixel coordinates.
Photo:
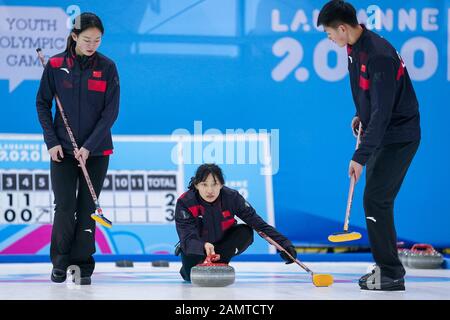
(212, 258)
(422, 247)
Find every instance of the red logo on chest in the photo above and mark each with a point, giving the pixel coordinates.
(226, 214)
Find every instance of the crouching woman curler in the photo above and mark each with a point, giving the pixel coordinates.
(205, 222)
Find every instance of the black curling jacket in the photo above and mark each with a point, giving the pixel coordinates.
(383, 94)
(88, 88)
(198, 221)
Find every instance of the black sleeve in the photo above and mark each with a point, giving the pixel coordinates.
(44, 102)
(187, 230)
(382, 75)
(246, 212)
(109, 113)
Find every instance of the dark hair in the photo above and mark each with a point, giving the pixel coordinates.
(337, 12)
(203, 172)
(82, 22)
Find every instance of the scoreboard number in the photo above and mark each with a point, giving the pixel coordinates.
(20, 195)
(170, 207)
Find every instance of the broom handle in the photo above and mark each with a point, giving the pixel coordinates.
(75, 149)
(349, 202)
(352, 185)
(272, 242)
(72, 140)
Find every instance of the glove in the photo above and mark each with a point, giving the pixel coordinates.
(291, 251)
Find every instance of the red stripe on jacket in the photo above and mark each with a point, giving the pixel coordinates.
(56, 62)
(196, 210)
(97, 85)
(364, 83)
(228, 223)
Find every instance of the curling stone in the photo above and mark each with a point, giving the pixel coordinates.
(424, 256)
(124, 264)
(402, 253)
(403, 256)
(160, 263)
(211, 274)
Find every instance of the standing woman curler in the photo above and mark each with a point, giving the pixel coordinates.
(87, 84)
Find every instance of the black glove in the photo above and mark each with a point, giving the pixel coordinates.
(292, 252)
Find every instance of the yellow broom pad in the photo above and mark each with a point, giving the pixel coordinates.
(344, 236)
(322, 280)
(102, 220)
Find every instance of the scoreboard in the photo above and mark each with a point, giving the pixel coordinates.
(127, 196)
(146, 176)
(25, 197)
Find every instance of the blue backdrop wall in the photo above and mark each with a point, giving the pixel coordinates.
(258, 64)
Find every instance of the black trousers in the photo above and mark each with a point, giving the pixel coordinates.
(385, 172)
(73, 232)
(235, 241)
